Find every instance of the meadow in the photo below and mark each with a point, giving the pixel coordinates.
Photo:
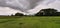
(30, 22)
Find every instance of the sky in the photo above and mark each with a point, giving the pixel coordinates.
(29, 7)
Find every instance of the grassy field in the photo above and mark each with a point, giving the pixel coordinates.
(30, 22)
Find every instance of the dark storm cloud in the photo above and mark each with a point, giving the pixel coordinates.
(22, 5)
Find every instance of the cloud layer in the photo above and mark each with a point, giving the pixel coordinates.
(22, 5)
(27, 6)
(46, 4)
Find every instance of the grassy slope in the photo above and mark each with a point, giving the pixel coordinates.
(30, 22)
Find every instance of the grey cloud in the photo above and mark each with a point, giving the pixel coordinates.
(22, 5)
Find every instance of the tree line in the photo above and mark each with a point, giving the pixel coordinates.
(44, 12)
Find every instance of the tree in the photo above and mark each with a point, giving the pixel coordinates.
(12, 15)
(46, 12)
(18, 14)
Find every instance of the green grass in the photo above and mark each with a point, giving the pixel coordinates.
(30, 22)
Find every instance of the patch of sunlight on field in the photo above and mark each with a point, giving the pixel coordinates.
(30, 22)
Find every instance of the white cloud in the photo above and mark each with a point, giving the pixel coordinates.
(55, 4)
(7, 11)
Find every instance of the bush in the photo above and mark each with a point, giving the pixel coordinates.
(18, 14)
